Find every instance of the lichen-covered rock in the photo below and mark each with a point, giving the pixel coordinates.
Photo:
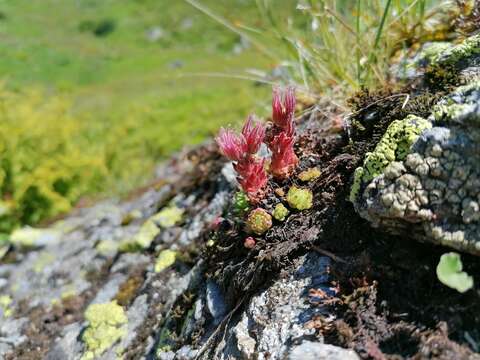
(107, 325)
(165, 259)
(423, 178)
(275, 318)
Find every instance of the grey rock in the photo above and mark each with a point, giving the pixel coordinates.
(215, 301)
(317, 351)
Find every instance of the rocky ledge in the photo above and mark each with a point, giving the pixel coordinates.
(349, 274)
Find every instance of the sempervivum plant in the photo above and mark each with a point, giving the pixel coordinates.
(242, 149)
(281, 143)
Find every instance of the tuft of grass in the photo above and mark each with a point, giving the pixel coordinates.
(336, 47)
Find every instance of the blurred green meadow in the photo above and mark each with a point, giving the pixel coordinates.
(95, 93)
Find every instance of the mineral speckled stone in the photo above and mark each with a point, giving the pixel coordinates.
(431, 189)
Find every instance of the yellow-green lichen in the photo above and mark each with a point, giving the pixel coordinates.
(166, 218)
(300, 199)
(259, 221)
(309, 174)
(448, 109)
(454, 54)
(280, 212)
(107, 325)
(394, 146)
(30, 237)
(5, 302)
(165, 259)
(107, 247)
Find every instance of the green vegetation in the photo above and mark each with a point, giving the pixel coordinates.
(107, 325)
(300, 199)
(95, 96)
(449, 272)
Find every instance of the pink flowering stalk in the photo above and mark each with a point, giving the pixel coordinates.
(242, 149)
(282, 141)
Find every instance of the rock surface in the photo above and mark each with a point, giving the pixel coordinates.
(165, 274)
(424, 175)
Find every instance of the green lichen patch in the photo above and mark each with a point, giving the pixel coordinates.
(29, 237)
(107, 247)
(166, 218)
(107, 325)
(459, 105)
(280, 212)
(309, 174)
(393, 146)
(165, 259)
(5, 308)
(452, 55)
(300, 199)
(259, 221)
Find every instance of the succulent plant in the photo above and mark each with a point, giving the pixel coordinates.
(280, 212)
(281, 142)
(240, 202)
(259, 221)
(249, 242)
(309, 174)
(241, 148)
(299, 198)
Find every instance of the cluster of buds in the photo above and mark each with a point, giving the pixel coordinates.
(242, 149)
(282, 140)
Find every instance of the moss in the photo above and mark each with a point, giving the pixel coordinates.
(240, 203)
(5, 302)
(107, 325)
(446, 65)
(309, 174)
(165, 259)
(300, 199)
(280, 212)
(127, 291)
(259, 221)
(164, 341)
(393, 146)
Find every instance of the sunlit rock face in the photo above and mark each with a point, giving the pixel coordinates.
(423, 178)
